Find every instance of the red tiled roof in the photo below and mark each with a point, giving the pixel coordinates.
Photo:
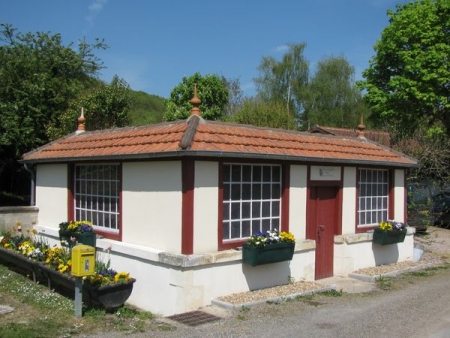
(198, 137)
(374, 135)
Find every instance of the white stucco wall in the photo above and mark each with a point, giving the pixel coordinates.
(349, 201)
(51, 193)
(152, 204)
(297, 201)
(206, 205)
(399, 195)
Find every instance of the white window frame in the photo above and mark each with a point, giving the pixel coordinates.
(96, 195)
(250, 204)
(373, 197)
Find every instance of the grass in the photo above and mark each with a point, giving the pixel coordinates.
(39, 312)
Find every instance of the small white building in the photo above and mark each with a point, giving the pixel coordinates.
(175, 201)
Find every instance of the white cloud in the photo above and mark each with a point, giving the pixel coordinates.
(281, 48)
(94, 9)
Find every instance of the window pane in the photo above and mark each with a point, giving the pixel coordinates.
(256, 209)
(235, 192)
(266, 209)
(235, 211)
(226, 211)
(256, 191)
(256, 174)
(226, 230)
(226, 192)
(236, 173)
(235, 229)
(276, 191)
(266, 191)
(256, 226)
(246, 173)
(276, 224)
(265, 225)
(246, 191)
(267, 174)
(276, 208)
(246, 210)
(226, 173)
(246, 229)
(276, 174)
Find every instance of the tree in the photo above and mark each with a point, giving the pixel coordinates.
(408, 79)
(332, 98)
(39, 77)
(210, 89)
(105, 106)
(285, 81)
(235, 96)
(272, 114)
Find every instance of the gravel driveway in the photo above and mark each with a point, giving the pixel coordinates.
(417, 307)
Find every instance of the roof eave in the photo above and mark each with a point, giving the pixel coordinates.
(217, 154)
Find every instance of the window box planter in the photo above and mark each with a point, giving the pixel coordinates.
(272, 253)
(86, 238)
(389, 237)
(109, 296)
(19, 261)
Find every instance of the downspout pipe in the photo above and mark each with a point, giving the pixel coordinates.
(33, 183)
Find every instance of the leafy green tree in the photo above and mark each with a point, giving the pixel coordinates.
(105, 106)
(39, 77)
(408, 79)
(145, 108)
(211, 91)
(332, 98)
(285, 80)
(235, 97)
(261, 113)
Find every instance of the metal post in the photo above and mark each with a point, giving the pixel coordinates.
(78, 297)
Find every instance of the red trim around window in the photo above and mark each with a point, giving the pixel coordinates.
(285, 170)
(391, 186)
(187, 213)
(71, 204)
(70, 189)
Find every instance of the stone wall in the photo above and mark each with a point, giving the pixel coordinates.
(9, 216)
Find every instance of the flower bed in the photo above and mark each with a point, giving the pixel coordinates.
(55, 264)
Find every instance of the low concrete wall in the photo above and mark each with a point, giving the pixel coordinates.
(9, 216)
(357, 251)
(169, 283)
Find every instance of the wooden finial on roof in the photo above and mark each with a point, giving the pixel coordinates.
(361, 128)
(195, 101)
(81, 121)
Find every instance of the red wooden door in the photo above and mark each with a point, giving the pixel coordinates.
(322, 226)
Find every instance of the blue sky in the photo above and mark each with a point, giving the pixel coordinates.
(153, 44)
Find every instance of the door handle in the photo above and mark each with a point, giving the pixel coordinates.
(320, 229)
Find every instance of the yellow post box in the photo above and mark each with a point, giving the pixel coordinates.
(83, 260)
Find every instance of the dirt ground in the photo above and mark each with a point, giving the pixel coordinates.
(435, 241)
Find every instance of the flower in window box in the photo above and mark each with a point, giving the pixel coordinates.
(73, 232)
(389, 232)
(78, 226)
(269, 247)
(260, 239)
(390, 225)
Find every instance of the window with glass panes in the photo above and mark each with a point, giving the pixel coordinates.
(373, 196)
(251, 199)
(96, 195)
